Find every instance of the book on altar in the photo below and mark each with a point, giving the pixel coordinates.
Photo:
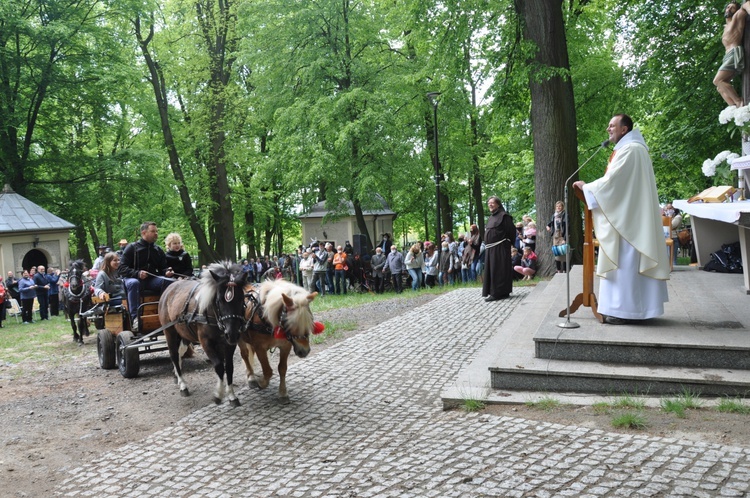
(714, 194)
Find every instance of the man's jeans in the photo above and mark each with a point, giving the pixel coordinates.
(133, 288)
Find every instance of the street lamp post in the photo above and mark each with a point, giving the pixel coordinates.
(433, 98)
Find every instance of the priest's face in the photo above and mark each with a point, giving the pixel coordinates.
(616, 130)
(493, 205)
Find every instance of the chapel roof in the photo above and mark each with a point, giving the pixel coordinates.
(18, 215)
(319, 210)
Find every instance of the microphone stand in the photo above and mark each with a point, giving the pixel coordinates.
(567, 324)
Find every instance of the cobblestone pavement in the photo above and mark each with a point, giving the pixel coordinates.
(366, 420)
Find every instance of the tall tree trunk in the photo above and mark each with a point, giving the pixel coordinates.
(82, 250)
(553, 119)
(160, 93)
(217, 24)
(476, 177)
(250, 233)
(361, 223)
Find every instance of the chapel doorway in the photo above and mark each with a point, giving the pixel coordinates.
(34, 257)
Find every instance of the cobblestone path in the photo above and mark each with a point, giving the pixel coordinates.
(366, 420)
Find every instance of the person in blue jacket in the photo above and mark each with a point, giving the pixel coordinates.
(27, 292)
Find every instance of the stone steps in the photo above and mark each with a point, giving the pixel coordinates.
(701, 344)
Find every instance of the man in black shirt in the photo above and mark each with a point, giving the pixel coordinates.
(144, 267)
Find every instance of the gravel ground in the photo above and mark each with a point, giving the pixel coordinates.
(58, 417)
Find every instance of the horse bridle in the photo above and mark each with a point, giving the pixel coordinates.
(284, 321)
(228, 297)
(74, 274)
(264, 327)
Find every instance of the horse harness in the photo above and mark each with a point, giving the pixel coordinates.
(77, 297)
(190, 318)
(262, 326)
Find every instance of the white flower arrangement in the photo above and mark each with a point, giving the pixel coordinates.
(727, 114)
(739, 116)
(709, 165)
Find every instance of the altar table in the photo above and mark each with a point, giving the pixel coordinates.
(717, 223)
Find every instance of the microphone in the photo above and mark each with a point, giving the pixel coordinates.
(666, 157)
(567, 324)
(598, 148)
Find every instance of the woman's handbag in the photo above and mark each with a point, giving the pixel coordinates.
(560, 250)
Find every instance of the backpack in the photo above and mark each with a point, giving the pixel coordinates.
(727, 260)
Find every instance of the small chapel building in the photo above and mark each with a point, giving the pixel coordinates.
(321, 224)
(30, 235)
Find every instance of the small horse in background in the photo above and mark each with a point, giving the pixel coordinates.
(209, 311)
(76, 298)
(278, 316)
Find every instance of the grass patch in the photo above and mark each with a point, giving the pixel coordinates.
(354, 299)
(472, 405)
(601, 407)
(687, 400)
(49, 342)
(546, 404)
(624, 402)
(630, 420)
(691, 400)
(333, 330)
(733, 405)
(628, 402)
(673, 406)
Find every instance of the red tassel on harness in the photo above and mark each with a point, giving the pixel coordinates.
(278, 332)
(318, 328)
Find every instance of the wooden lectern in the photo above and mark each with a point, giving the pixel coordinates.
(587, 297)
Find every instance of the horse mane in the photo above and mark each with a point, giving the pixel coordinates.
(270, 298)
(213, 278)
(77, 263)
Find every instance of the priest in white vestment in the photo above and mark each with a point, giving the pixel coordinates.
(633, 262)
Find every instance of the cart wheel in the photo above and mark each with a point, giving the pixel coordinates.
(105, 348)
(127, 358)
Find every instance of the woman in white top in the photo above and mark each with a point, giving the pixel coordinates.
(414, 262)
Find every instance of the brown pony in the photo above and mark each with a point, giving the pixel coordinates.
(211, 312)
(278, 316)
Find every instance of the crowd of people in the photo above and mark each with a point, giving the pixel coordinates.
(123, 274)
(320, 267)
(37, 283)
(327, 270)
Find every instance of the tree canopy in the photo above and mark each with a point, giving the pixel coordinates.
(226, 120)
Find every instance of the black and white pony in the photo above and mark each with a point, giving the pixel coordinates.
(211, 312)
(76, 298)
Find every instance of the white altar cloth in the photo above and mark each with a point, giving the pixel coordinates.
(718, 223)
(728, 212)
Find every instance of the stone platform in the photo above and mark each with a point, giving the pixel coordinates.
(701, 344)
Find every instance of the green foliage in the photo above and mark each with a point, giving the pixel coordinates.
(627, 401)
(623, 402)
(686, 400)
(673, 406)
(601, 407)
(733, 405)
(670, 54)
(630, 420)
(326, 101)
(472, 405)
(545, 403)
